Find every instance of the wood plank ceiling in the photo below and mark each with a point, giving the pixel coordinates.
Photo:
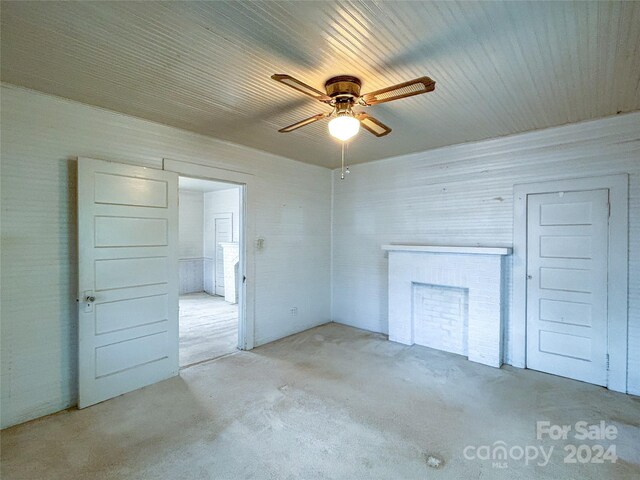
(501, 68)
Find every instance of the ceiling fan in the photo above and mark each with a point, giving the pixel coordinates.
(343, 93)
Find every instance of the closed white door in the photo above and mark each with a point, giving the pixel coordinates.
(567, 244)
(223, 233)
(128, 278)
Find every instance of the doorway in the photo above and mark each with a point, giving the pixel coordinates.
(209, 260)
(128, 272)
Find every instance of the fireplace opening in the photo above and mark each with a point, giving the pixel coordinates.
(441, 317)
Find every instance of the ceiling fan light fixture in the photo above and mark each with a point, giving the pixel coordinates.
(343, 92)
(344, 127)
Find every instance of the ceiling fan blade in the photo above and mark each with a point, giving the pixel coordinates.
(303, 123)
(373, 125)
(402, 90)
(296, 84)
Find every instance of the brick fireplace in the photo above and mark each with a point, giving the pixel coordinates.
(448, 298)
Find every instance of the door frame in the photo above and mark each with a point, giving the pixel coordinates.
(617, 269)
(246, 182)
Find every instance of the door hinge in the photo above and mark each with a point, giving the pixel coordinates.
(607, 362)
(609, 209)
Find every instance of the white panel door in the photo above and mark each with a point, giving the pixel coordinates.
(567, 235)
(223, 233)
(128, 278)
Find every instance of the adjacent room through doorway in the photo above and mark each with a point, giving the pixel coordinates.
(209, 234)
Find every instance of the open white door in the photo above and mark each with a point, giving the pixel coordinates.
(128, 278)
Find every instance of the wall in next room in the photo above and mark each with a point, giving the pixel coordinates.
(219, 202)
(463, 195)
(191, 237)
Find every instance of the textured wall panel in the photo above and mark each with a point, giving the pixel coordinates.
(41, 138)
(463, 195)
(208, 271)
(191, 237)
(191, 226)
(191, 275)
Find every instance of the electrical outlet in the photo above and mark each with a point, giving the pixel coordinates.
(293, 311)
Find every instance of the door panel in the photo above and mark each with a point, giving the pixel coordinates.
(128, 231)
(565, 213)
(125, 314)
(562, 311)
(567, 249)
(565, 246)
(130, 353)
(129, 190)
(565, 279)
(128, 239)
(130, 272)
(565, 345)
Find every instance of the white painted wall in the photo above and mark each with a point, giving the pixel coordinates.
(215, 203)
(191, 229)
(222, 201)
(41, 138)
(462, 195)
(191, 238)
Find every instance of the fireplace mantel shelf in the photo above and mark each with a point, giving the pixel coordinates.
(447, 249)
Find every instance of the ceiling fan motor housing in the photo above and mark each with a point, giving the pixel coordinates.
(343, 88)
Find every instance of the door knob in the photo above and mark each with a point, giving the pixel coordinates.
(90, 299)
(529, 277)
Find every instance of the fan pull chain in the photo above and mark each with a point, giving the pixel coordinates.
(343, 171)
